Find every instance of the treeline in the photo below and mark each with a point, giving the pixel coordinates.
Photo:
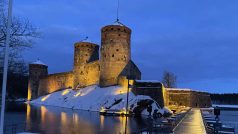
(17, 81)
(231, 99)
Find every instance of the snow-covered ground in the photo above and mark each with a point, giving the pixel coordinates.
(94, 98)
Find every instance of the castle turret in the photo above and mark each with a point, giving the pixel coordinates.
(84, 53)
(115, 52)
(36, 70)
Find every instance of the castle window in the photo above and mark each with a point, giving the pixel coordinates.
(111, 28)
(111, 40)
(118, 29)
(86, 54)
(112, 55)
(119, 34)
(117, 50)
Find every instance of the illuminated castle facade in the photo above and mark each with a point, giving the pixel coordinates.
(112, 68)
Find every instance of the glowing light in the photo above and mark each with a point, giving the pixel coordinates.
(28, 94)
(65, 92)
(123, 111)
(121, 91)
(77, 94)
(46, 97)
(102, 109)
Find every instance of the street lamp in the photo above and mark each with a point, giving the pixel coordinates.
(4, 83)
(129, 77)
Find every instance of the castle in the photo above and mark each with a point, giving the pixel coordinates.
(112, 68)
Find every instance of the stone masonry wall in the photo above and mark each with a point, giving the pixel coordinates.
(92, 71)
(54, 82)
(188, 98)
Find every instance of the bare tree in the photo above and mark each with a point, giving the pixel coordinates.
(169, 79)
(22, 32)
(22, 35)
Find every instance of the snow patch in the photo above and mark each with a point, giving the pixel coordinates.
(38, 62)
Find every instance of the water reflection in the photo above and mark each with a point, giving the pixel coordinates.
(54, 120)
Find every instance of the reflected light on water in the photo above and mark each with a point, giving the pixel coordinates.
(101, 122)
(65, 121)
(43, 113)
(123, 128)
(75, 119)
(28, 115)
(63, 117)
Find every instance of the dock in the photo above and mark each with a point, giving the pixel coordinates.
(192, 123)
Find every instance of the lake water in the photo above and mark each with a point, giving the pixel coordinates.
(230, 117)
(55, 120)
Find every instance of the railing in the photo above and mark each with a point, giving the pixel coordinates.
(165, 128)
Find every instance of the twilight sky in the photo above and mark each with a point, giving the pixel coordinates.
(195, 39)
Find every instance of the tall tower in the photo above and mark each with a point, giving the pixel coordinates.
(84, 53)
(36, 70)
(115, 52)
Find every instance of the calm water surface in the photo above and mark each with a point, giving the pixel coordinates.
(55, 120)
(230, 117)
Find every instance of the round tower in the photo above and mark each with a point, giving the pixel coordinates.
(36, 70)
(84, 53)
(115, 52)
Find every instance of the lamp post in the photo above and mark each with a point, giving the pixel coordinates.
(127, 97)
(4, 83)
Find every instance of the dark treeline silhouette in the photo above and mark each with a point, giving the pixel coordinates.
(16, 85)
(225, 98)
(17, 81)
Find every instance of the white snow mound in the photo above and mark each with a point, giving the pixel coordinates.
(93, 98)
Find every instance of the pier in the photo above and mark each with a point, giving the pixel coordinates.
(192, 123)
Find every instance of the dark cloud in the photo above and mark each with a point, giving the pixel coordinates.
(197, 40)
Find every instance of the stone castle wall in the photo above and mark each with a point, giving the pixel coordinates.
(115, 53)
(54, 82)
(187, 98)
(92, 72)
(152, 89)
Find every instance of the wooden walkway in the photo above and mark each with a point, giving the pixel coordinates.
(191, 124)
